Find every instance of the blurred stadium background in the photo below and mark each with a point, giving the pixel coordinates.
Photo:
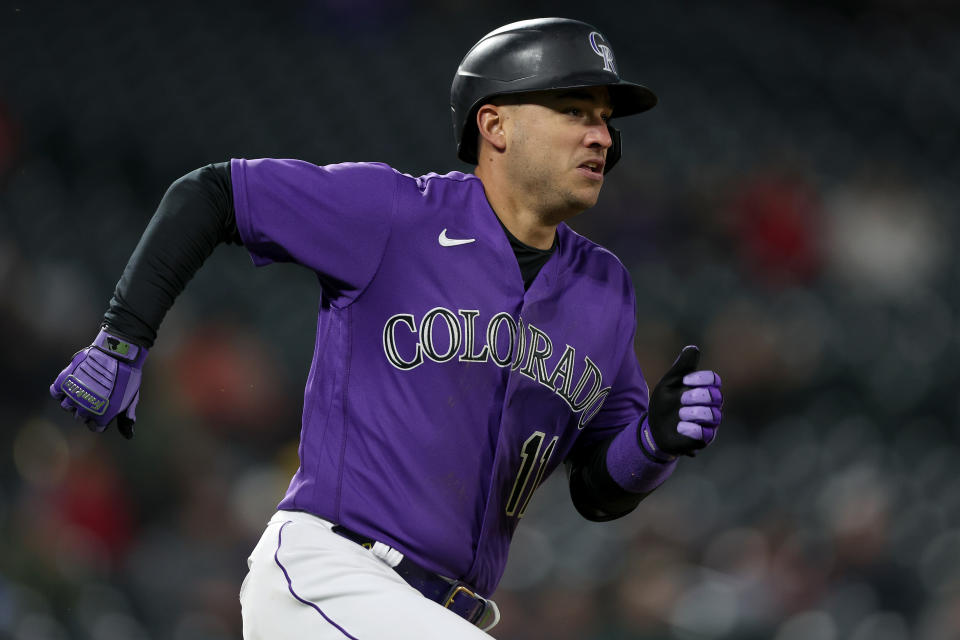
(791, 205)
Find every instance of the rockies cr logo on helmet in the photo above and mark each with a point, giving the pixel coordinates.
(603, 50)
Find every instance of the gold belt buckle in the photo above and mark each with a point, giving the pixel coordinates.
(453, 594)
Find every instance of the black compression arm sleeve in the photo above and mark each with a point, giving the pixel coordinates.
(595, 494)
(194, 216)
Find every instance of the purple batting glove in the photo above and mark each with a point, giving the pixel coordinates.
(102, 382)
(685, 410)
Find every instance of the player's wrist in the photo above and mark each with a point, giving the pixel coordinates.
(648, 443)
(119, 347)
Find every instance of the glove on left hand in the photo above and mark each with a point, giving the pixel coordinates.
(102, 383)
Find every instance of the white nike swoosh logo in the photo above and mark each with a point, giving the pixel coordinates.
(452, 242)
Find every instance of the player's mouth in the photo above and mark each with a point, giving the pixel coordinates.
(592, 169)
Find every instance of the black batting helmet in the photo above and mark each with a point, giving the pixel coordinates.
(534, 55)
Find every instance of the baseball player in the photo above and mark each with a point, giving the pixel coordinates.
(468, 342)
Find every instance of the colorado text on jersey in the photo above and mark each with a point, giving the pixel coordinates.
(508, 343)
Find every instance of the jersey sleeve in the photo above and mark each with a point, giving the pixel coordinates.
(629, 395)
(333, 219)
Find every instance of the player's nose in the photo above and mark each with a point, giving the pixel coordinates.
(598, 136)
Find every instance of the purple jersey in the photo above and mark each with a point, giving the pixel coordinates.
(441, 393)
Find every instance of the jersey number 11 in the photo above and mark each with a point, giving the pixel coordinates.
(530, 452)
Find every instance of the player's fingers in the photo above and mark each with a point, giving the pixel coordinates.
(125, 426)
(686, 362)
(701, 433)
(131, 411)
(94, 426)
(708, 396)
(79, 414)
(126, 420)
(701, 379)
(82, 416)
(693, 431)
(709, 433)
(700, 414)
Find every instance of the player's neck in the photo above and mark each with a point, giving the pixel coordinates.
(526, 228)
(525, 222)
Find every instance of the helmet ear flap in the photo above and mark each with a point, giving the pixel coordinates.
(613, 155)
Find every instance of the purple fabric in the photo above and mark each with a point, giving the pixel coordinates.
(435, 374)
(701, 414)
(334, 220)
(649, 444)
(709, 396)
(631, 468)
(702, 378)
(697, 431)
(102, 381)
(286, 574)
(708, 415)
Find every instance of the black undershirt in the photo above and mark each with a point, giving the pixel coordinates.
(194, 216)
(530, 259)
(197, 213)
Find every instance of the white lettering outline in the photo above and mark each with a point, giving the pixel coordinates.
(469, 333)
(426, 334)
(390, 342)
(463, 341)
(494, 334)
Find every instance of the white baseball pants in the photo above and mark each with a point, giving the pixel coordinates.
(307, 583)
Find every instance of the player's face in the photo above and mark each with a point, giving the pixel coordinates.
(558, 147)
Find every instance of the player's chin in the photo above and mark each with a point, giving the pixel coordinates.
(577, 203)
(580, 195)
(588, 195)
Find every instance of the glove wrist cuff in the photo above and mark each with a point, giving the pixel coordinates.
(649, 446)
(120, 348)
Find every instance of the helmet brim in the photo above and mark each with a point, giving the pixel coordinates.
(630, 99)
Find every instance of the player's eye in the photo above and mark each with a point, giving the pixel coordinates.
(573, 111)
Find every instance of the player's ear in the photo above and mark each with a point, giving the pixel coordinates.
(490, 125)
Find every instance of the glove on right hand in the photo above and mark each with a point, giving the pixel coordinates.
(684, 411)
(102, 382)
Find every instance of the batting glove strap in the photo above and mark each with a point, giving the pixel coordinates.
(649, 446)
(120, 348)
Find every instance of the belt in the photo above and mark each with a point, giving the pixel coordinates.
(455, 595)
